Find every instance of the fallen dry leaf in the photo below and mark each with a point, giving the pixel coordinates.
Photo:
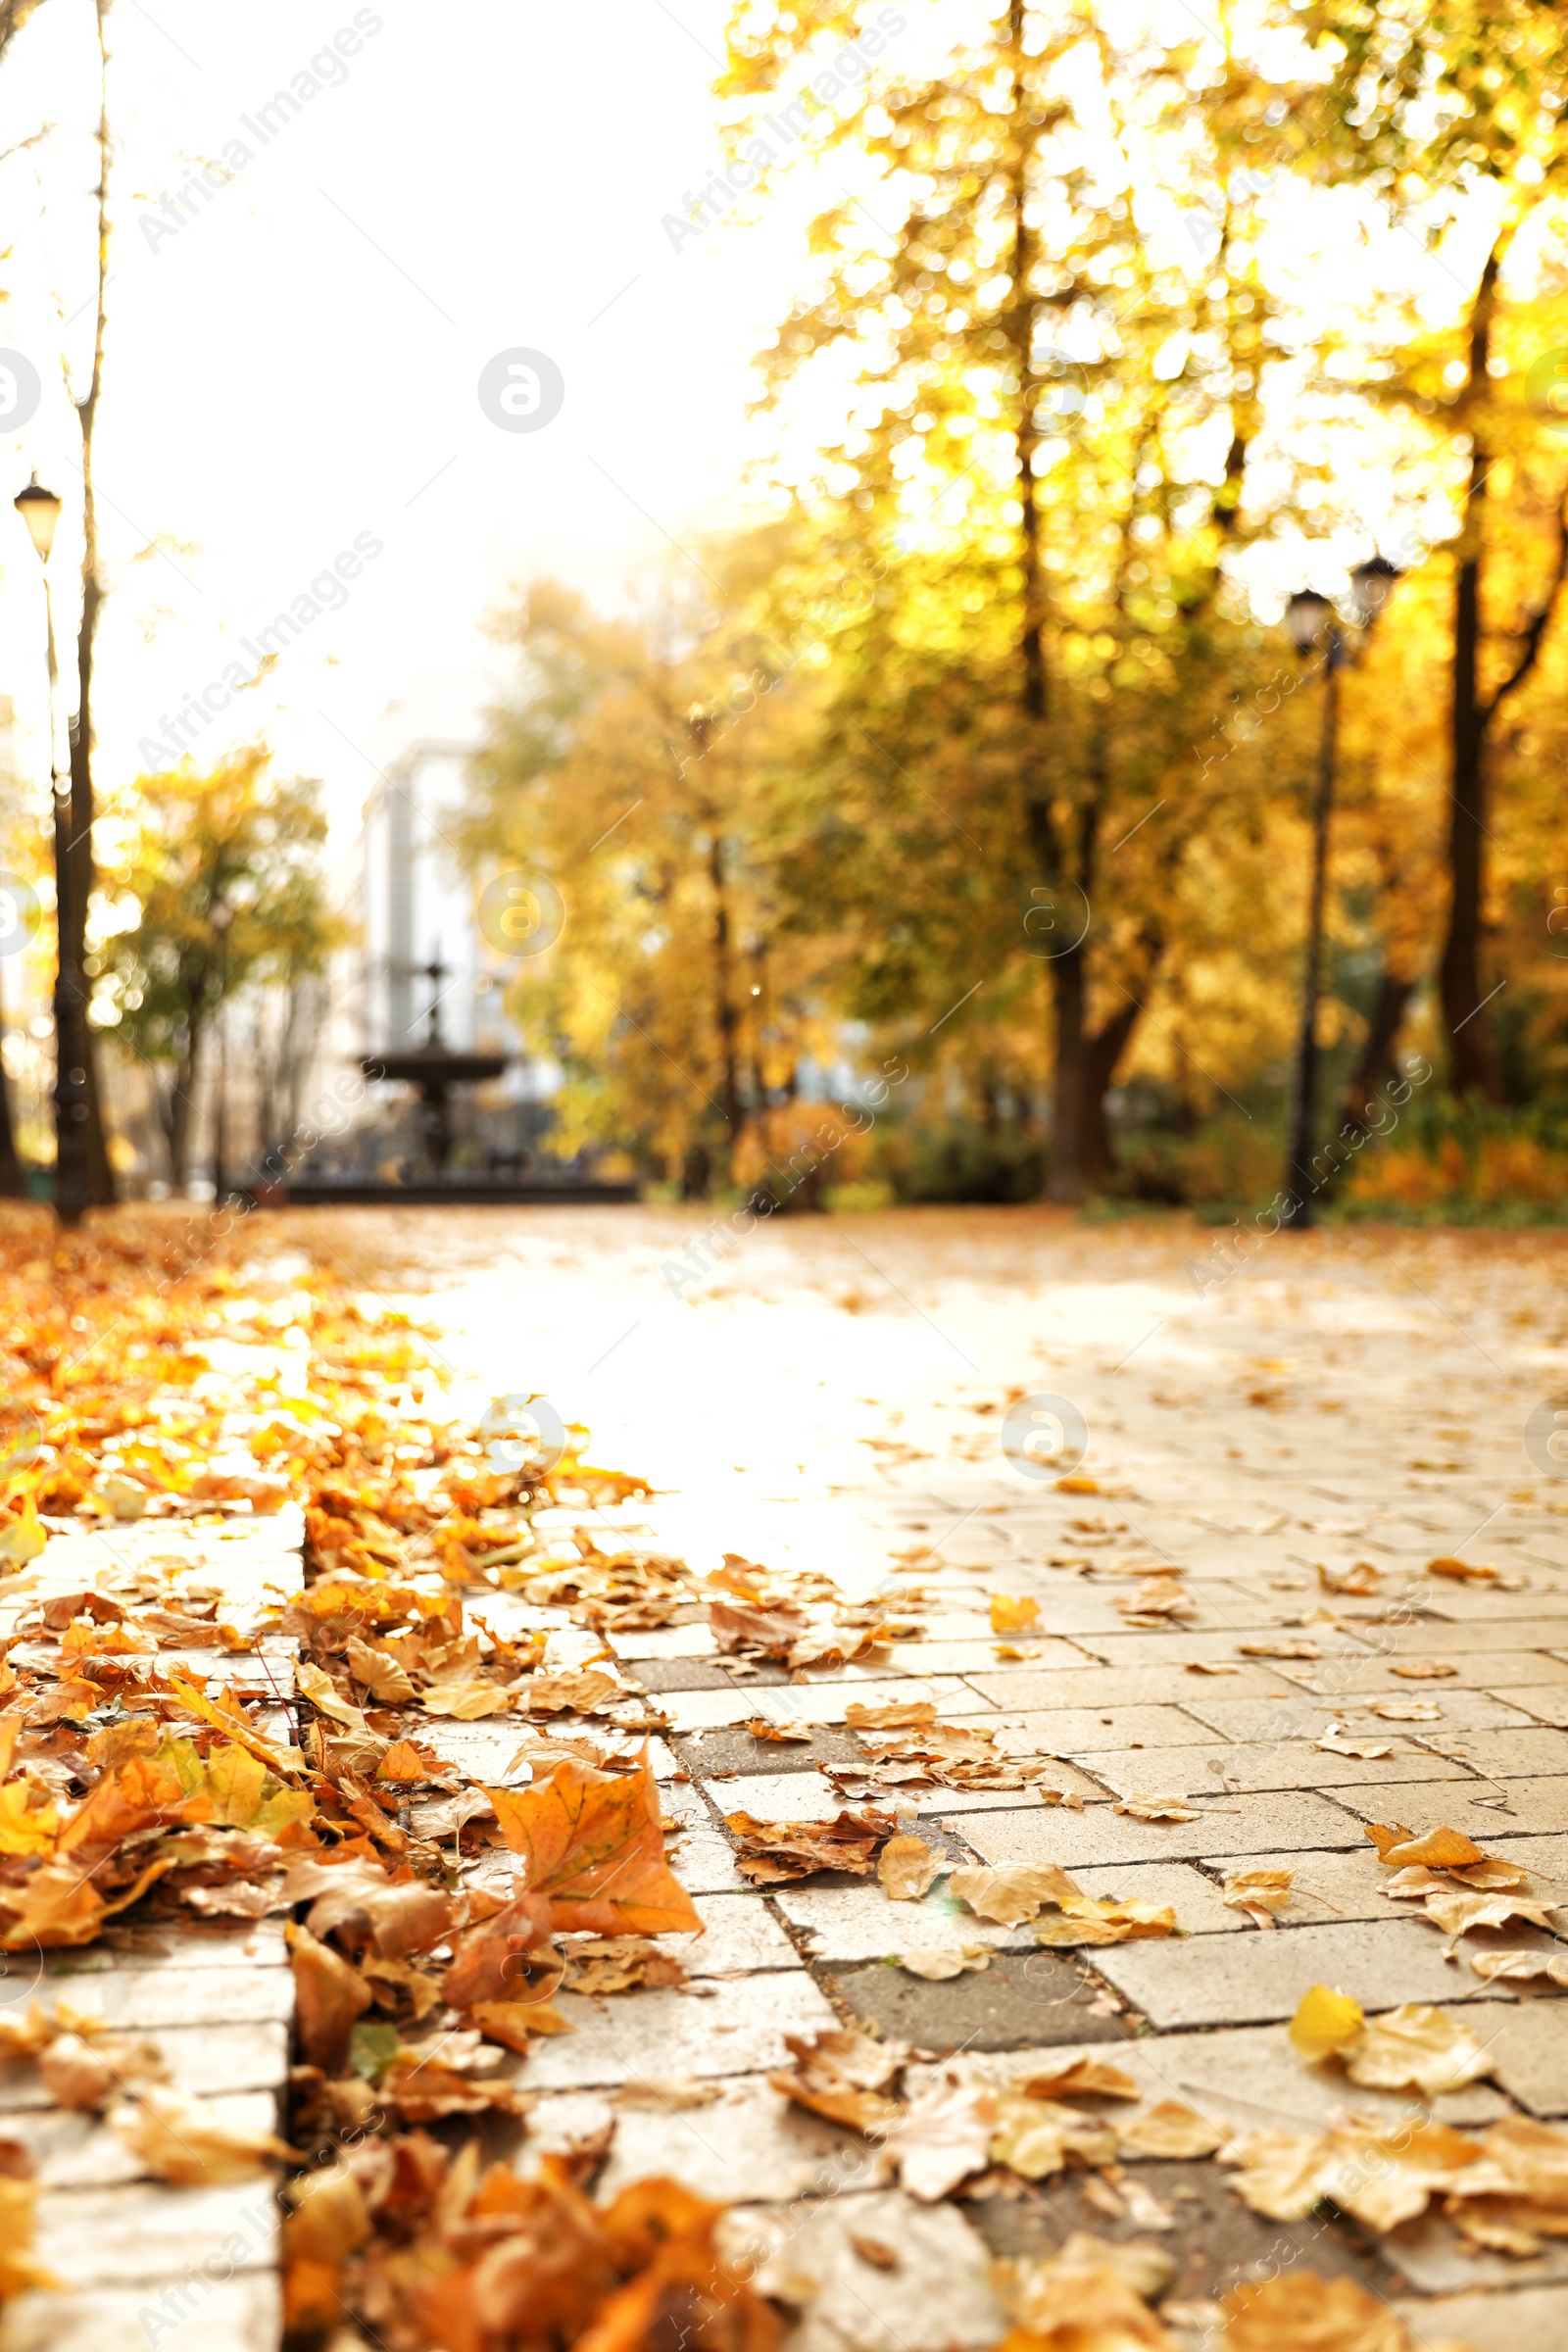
(942, 2136)
(910, 1714)
(1381, 2175)
(1258, 1892)
(574, 1691)
(592, 1844)
(328, 1997)
(757, 1626)
(1083, 2078)
(1406, 1710)
(1173, 2130)
(1458, 1909)
(1464, 1572)
(605, 1964)
(1011, 1893)
(908, 1868)
(180, 2139)
(1422, 1670)
(1438, 1849)
(1084, 1919)
(1278, 1649)
(1033, 2137)
(1361, 1579)
(465, 1699)
(1156, 1808)
(1080, 2301)
(1518, 1968)
(762, 1728)
(844, 2077)
(769, 1852)
(1211, 1666)
(1415, 2047)
(1336, 1743)
(1299, 2312)
(937, 1963)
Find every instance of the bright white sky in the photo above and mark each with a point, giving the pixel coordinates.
(298, 365)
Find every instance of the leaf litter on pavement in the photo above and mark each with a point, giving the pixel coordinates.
(150, 1779)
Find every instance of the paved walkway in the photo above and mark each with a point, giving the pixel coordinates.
(834, 1397)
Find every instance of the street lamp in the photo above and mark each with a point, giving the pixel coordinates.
(1315, 628)
(220, 914)
(40, 509)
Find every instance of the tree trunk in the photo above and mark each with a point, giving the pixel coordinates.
(100, 1176)
(1104, 1050)
(724, 1013)
(1375, 1063)
(1472, 1061)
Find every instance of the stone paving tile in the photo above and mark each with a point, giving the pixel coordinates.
(1251, 1979)
(980, 1656)
(818, 1702)
(1529, 2045)
(735, 2029)
(1506, 1753)
(1302, 1715)
(1349, 1885)
(145, 2234)
(749, 2144)
(1033, 1997)
(860, 1922)
(200, 2059)
(740, 1936)
(1212, 2240)
(1522, 2318)
(1546, 1705)
(1223, 1648)
(1505, 1671)
(1063, 1730)
(1258, 1766)
(1435, 2261)
(72, 2150)
(1247, 1825)
(807, 1796)
(1243, 2077)
(243, 2313)
(138, 1997)
(1101, 1688)
(937, 2296)
(1529, 1809)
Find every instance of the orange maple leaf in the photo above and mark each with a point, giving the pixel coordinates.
(592, 1842)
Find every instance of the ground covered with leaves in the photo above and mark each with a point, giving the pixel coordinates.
(433, 1755)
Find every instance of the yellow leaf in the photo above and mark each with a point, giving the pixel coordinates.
(26, 1829)
(1325, 2021)
(1012, 1616)
(22, 1539)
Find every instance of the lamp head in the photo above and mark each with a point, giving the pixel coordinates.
(1371, 585)
(1308, 618)
(40, 509)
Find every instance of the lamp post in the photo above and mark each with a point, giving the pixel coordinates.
(1315, 628)
(40, 509)
(220, 914)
